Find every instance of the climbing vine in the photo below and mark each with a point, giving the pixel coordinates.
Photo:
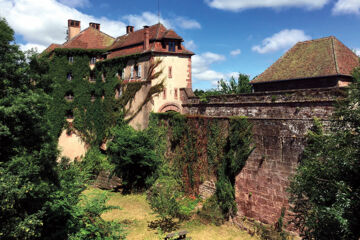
(88, 95)
(227, 145)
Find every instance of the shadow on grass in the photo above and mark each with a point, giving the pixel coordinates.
(165, 224)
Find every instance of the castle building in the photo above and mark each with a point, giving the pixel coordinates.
(319, 63)
(149, 44)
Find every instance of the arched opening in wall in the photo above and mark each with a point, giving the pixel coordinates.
(69, 96)
(69, 114)
(170, 107)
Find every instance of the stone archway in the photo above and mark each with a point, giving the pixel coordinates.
(170, 107)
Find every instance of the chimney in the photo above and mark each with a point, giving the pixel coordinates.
(95, 25)
(146, 38)
(73, 28)
(129, 29)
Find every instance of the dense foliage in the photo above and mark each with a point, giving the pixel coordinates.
(39, 199)
(132, 152)
(233, 86)
(325, 191)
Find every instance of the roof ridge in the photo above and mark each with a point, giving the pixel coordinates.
(316, 40)
(334, 54)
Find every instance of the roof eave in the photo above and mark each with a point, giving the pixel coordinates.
(304, 78)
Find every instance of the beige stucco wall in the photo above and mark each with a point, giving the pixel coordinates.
(180, 73)
(71, 146)
(180, 68)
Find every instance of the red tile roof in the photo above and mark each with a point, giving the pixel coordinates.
(132, 43)
(315, 58)
(52, 47)
(90, 38)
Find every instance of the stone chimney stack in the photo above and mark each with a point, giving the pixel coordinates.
(73, 28)
(129, 29)
(146, 38)
(95, 25)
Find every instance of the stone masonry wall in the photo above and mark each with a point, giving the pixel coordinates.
(280, 121)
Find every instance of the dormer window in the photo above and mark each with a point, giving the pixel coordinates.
(71, 59)
(69, 77)
(171, 46)
(93, 60)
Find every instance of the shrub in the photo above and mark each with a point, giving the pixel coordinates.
(133, 155)
(94, 162)
(211, 211)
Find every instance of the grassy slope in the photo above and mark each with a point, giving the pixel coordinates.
(136, 213)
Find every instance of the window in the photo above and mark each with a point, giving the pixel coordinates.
(138, 73)
(93, 60)
(93, 97)
(92, 77)
(132, 72)
(164, 93)
(69, 77)
(176, 93)
(71, 59)
(69, 96)
(170, 72)
(171, 46)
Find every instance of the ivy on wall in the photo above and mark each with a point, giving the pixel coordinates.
(89, 95)
(226, 143)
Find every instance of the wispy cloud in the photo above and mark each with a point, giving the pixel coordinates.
(281, 40)
(186, 23)
(201, 68)
(76, 3)
(346, 7)
(190, 45)
(238, 5)
(235, 52)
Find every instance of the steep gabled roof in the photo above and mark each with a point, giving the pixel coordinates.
(90, 38)
(52, 47)
(156, 32)
(310, 59)
(132, 43)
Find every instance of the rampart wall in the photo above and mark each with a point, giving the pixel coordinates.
(280, 122)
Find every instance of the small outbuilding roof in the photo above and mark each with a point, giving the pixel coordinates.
(311, 59)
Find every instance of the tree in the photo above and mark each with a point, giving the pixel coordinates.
(132, 152)
(325, 191)
(27, 151)
(242, 85)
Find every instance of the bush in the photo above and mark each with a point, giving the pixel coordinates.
(94, 162)
(225, 195)
(132, 152)
(211, 211)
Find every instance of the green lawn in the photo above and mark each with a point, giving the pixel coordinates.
(136, 214)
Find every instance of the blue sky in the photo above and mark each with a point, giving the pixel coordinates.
(228, 36)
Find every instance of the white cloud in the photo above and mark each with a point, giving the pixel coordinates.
(39, 48)
(186, 23)
(347, 7)
(43, 22)
(76, 3)
(281, 40)
(148, 18)
(238, 5)
(357, 51)
(190, 45)
(235, 52)
(201, 67)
